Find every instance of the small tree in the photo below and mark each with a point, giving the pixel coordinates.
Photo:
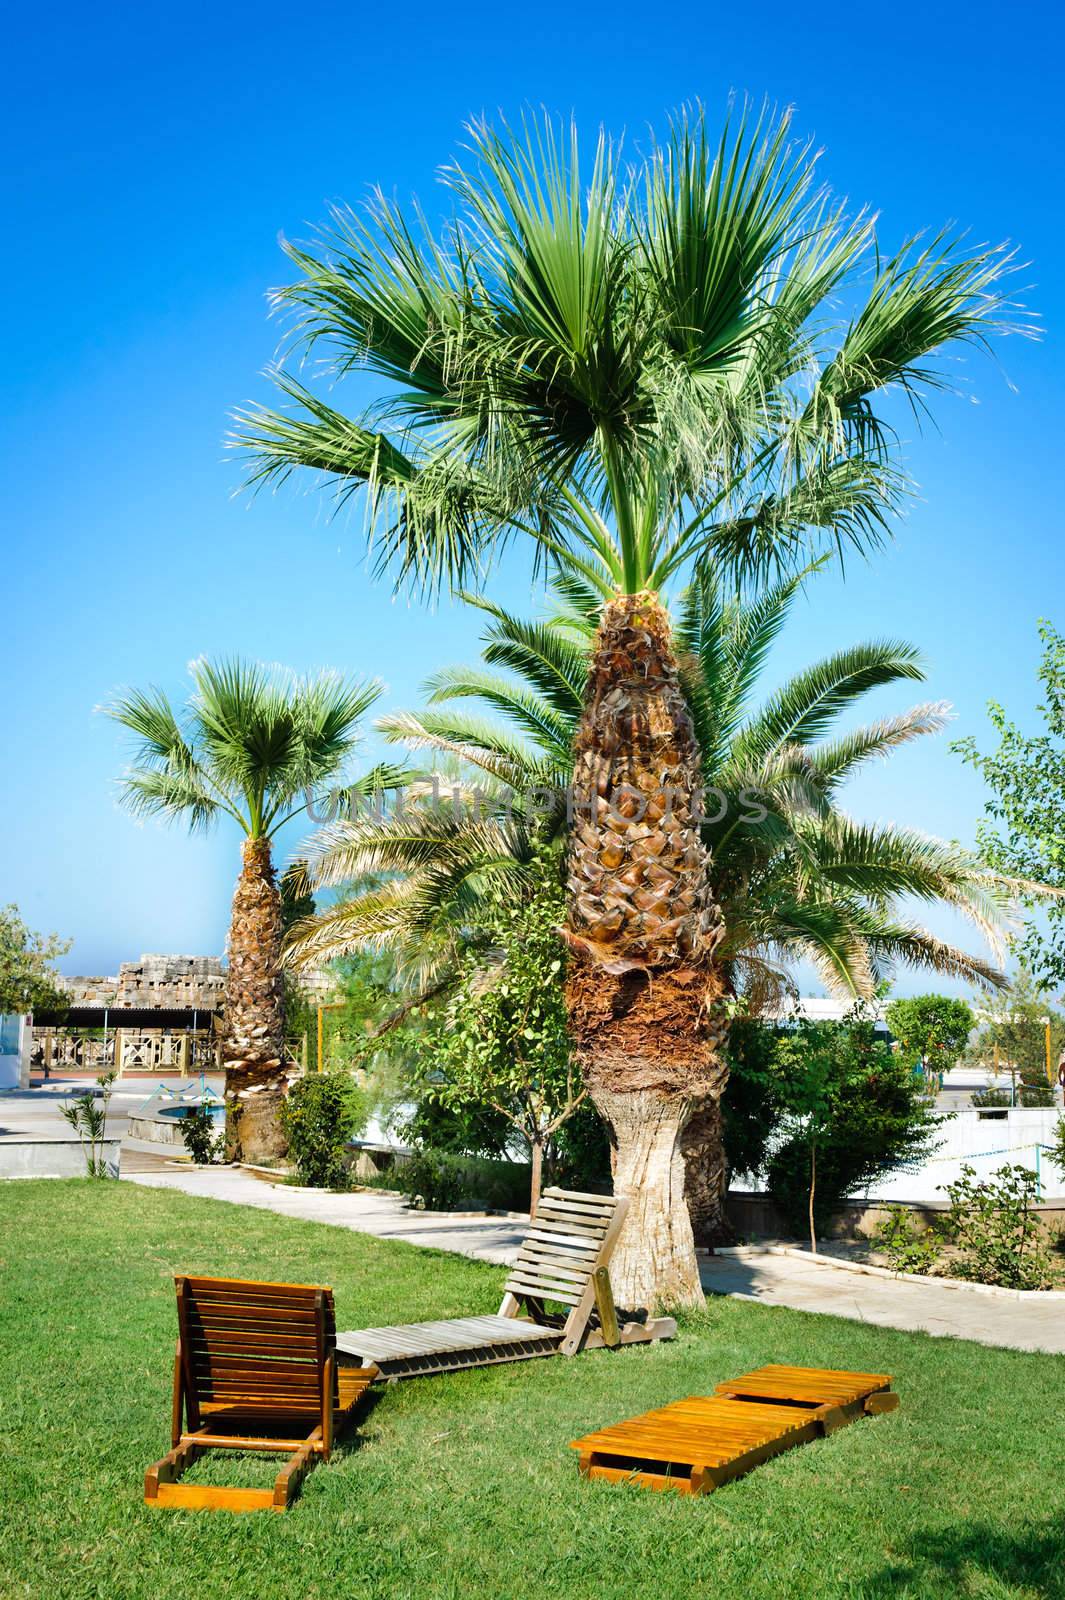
(935, 1026)
(27, 976)
(1024, 825)
(1012, 1038)
(850, 1111)
(87, 1115)
(505, 1043)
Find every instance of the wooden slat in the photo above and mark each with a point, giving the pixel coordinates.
(406, 1341)
(609, 1201)
(258, 1286)
(561, 1267)
(542, 1291)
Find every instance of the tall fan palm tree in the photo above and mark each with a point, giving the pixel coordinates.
(639, 369)
(794, 876)
(251, 744)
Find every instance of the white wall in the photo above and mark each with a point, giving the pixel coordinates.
(16, 1034)
(986, 1143)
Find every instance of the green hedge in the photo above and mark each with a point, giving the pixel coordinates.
(441, 1181)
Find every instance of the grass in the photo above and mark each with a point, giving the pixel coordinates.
(462, 1487)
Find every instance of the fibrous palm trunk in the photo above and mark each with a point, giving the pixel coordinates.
(642, 987)
(254, 1026)
(706, 1175)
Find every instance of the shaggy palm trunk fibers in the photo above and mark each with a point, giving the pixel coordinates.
(643, 927)
(254, 1025)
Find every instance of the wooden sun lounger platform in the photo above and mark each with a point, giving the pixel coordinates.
(696, 1445)
(563, 1262)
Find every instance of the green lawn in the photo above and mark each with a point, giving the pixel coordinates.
(464, 1486)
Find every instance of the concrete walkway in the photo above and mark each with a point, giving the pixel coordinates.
(776, 1280)
(963, 1312)
(494, 1239)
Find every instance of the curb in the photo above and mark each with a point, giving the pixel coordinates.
(1036, 1296)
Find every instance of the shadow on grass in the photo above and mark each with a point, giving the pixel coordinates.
(980, 1559)
(257, 1469)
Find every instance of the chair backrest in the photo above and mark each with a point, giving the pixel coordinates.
(570, 1235)
(249, 1347)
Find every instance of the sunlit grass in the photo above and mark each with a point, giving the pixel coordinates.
(464, 1486)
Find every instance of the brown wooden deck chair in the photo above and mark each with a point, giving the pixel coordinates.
(563, 1261)
(255, 1369)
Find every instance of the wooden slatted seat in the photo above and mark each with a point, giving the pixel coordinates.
(563, 1261)
(697, 1444)
(255, 1369)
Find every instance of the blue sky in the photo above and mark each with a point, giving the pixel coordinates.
(151, 158)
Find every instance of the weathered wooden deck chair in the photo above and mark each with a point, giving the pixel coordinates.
(255, 1369)
(563, 1261)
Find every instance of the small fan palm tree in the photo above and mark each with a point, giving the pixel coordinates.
(251, 745)
(639, 369)
(795, 877)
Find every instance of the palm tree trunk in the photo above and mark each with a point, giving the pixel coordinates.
(706, 1174)
(254, 1025)
(643, 926)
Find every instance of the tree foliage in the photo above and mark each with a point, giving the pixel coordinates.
(636, 366)
(504, 1042)
(794, 875)
(253, 743)
(1012, 1038)
(828, 1093)
(935, 1027)
(27, 966)
(1023, 831)
(323, 1112)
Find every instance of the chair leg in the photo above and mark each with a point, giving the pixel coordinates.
(289, 1479)
(169, 1469)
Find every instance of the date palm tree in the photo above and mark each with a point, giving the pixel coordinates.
(251, 745)
(794, 876)
(641, 369)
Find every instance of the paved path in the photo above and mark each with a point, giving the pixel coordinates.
(494, 1239)
(782, 1280)
(964, 1313)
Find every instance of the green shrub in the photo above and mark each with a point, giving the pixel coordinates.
(1028, 1094)
(859, 1106)
(994, 1225)
(322, 1114)
(442, 1181)
(198, 1132)
(988, 1099)
(908, 1247)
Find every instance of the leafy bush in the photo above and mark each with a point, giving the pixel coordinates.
(988, 1099)
(1057, 1149)
(581, 1154)
(908, 1247)
(850, 1109)
(1028, 1094)
(994, 1225)
(87, 1115)
(321, 1115)
(201, 1140)
(442, 1181)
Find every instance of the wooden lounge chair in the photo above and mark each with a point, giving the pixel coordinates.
(255, 1369)
(563, 1261)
